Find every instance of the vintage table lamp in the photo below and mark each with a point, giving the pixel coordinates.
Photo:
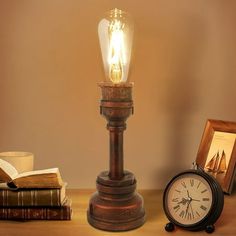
(116, 206)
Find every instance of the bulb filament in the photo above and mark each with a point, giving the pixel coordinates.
(116, 52)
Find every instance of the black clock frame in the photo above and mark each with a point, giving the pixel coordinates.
(207, 223)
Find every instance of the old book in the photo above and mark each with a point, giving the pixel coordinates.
(47, 178)
(37, 213)
(31, 197)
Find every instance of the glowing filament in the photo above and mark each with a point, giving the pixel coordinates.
(116, 57)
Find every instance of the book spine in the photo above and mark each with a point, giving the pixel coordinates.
(31, 197)
(60, 213)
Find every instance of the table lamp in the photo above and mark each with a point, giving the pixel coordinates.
(116, 206)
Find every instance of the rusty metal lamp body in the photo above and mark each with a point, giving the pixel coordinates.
(116, 206)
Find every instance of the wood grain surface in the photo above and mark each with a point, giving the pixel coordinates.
(226, 225)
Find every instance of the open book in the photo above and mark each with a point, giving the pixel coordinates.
(48, 178)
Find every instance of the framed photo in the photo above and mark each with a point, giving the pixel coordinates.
(217, 152)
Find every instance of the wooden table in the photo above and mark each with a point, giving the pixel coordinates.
(226, 225)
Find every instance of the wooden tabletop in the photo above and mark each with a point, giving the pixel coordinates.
(226, 224)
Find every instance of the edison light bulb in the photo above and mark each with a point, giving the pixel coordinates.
(115, 35)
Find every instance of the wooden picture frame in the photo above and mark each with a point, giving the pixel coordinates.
(217, 152)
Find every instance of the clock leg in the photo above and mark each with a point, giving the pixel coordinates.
(210, 229)
(169, 227)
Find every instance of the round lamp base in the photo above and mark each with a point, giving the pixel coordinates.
(116, 206)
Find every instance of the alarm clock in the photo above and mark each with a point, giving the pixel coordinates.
(193, 200)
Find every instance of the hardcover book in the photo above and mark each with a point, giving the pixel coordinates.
(37, 213)
(31, 197)
(47, 178)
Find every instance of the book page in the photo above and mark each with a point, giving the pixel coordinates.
(3, 186)
(9, 169)
(37, 172)
(48, 178)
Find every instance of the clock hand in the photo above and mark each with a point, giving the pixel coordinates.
(196, 200)
(192, 199)
(191, 209)
(188, 194)
(186, 212)
(189, 203)
(183, 201)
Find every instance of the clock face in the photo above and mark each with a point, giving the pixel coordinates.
(188, 199)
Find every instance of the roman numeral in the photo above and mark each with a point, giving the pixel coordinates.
(181, 214)
(206, 199)
(189, 216)
(176, 208)
(204, 191)
(203, 208)
(197, 213)
(177, 191)
(175, 199)
(191, 182)
(183, 184)
(198, 184)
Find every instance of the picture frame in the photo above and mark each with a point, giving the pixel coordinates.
(217, 152)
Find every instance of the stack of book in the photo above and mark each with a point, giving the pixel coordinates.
(34, 195)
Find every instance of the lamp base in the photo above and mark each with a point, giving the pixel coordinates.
(116, 206)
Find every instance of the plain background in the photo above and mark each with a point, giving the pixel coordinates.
(183, 67)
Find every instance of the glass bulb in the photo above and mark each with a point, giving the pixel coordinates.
(115, 36)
